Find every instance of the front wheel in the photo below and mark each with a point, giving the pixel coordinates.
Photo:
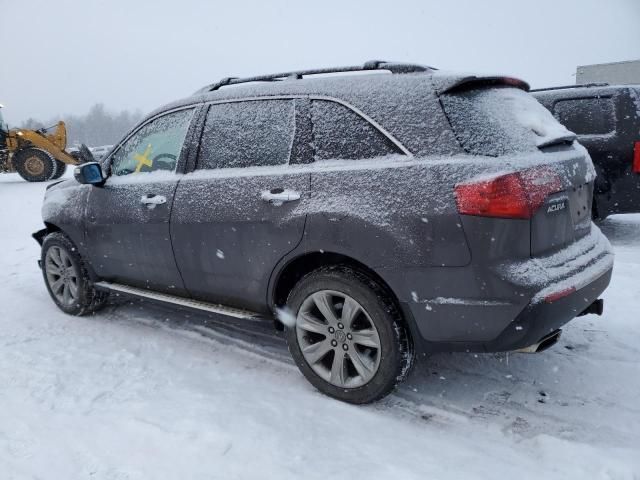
(66, 277)
(349, 339)
(34, 164)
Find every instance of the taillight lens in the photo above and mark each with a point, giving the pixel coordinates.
(552, 297)
(514, 195)
(636, 157)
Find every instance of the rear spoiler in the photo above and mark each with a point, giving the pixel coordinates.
(452, 84)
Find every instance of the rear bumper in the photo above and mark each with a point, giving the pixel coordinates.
(536, 321)
(540, 319)
(508, 306)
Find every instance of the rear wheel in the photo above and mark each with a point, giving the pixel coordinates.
(67, 278)
(34, 164)
(61, 167)
(349, 340)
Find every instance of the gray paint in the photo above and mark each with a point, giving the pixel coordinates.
(457, 278)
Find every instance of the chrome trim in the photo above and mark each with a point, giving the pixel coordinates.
(553, 337)
(175, 300)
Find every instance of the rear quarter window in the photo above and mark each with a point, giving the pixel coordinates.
(587, 116)
(340, 133)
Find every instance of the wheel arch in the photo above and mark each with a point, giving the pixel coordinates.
(291, 271)
(50, 227)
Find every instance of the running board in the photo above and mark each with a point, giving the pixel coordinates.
(184, 302)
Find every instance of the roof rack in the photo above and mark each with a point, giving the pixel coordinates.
(393, 67)
(565, 87)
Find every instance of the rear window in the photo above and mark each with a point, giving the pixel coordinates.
(499, 121)
(246, 134)
(586, 116)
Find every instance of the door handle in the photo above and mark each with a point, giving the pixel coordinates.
(152, 200)
(277, 196)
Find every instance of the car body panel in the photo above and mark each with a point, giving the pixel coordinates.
(461, 280)
(226, 238)
(129, 242)
(64, 208)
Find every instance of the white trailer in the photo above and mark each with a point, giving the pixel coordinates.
(619, 73)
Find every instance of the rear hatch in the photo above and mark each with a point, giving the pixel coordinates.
(548, 178)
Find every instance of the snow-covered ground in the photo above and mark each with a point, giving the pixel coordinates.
(140, 391)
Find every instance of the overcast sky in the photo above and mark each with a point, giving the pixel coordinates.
(63, 56)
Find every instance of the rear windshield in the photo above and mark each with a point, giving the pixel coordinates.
(499, 121)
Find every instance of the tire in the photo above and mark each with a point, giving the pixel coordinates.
(61, 168)
(60, 260)
(348, 370)
(34, 164)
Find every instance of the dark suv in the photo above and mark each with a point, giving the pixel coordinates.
(606, 119)
(374, 215)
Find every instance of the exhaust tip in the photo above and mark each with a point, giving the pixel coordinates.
(549, 341)
(596, 308)
(543, 344)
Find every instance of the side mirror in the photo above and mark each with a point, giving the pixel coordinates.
(89, 173)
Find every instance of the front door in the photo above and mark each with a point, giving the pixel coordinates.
(128, 234)
(243, 209)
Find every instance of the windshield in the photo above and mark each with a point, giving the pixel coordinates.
(503, 120)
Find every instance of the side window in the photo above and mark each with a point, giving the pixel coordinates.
(247, 133)
(156, 146)
(340, 133)
(586, 116)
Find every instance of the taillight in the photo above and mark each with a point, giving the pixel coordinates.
(636, 157)
(514, 195)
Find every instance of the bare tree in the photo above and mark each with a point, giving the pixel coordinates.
(98, 127)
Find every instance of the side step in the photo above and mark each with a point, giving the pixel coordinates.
(184, 302)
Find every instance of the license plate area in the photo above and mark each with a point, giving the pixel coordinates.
(580, 199)
(564, 218)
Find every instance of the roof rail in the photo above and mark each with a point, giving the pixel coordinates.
(393, 67)
(565, 87)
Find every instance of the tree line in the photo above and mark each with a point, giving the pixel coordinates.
(98, 127)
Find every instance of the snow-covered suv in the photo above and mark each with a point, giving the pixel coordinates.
(375, 215)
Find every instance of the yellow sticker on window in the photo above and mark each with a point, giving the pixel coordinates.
(143, 159)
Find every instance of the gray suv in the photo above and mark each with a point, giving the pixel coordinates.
(371, 216)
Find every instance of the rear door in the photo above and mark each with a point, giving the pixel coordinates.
(243, 208)
(127, 226)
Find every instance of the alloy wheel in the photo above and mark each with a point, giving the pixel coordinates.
(61, 275)
(338, 339)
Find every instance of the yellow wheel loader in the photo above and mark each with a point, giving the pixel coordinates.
(36, 155)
